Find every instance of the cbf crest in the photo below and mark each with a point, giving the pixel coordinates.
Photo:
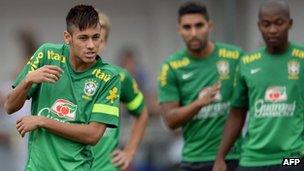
(223, 69)
(293, 70)
(89, 89)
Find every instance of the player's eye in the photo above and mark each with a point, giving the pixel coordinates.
(186, 27)
(96, 37)
(265, 23)
(82, 38)
(279, 22)
(199, 25)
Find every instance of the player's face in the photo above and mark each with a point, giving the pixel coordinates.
(85, 44)
(194, 29)
(274, 26)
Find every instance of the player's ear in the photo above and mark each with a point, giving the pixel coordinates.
(290, 23)
(67, 37)
(210, 25)
(178, 29)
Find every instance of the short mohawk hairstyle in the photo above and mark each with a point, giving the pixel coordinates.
(82, 17)
(192, 7)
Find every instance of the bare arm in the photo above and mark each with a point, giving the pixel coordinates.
(123, 158)
(175, 115)
(83, 133)
(15, 100)
(18, 95)
(232, 130)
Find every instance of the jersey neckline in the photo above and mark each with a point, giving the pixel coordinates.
(67, 54)
(189, 55)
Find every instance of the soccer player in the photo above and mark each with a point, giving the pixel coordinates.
(106, 156)
(75, 96)
(195, 86)
(269, 84)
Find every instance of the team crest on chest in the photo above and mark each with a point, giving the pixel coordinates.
(223, 69)
(89, 89)
(293, 70)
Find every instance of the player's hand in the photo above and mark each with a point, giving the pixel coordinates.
(47, 73)
(219, 165)
(207, 95)
(27, 124)
(122, 159)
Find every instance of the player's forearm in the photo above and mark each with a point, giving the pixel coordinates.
(138, 130)
(177, 117)
(17, 97)
(83, 133)
(232, 130)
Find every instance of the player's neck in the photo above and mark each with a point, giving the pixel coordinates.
(278, 49)
(78, 65)
(204, 52)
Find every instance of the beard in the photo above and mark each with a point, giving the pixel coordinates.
(196, 45)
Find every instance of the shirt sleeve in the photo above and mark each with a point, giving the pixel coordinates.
(35, 62)
(131, 96)
(106, 107)
(240, 89)
(167, 85)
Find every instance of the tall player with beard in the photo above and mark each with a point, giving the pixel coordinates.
(194, 89)
(75, 96)
(269, 84)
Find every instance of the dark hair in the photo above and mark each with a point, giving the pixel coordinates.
(82, 17)
(193, 8)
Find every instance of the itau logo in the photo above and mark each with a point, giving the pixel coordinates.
(64, 108)
(276, 94)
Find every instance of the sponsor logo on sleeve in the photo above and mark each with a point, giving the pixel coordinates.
(113, 94)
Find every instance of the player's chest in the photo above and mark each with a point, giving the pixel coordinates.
(285, 72)
(71, 98)
(205, 73)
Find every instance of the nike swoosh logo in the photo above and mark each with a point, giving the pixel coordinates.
(253, 71)
(186, 76)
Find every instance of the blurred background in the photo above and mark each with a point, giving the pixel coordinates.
(143, 34)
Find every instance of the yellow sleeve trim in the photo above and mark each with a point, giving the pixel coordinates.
(107, 109)
(136, 102)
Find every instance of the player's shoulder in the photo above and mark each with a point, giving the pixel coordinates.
(53, 46)
(123, 73)
(228, 46)
(107, 68)
(252, 56)
(297, 50)
(228, 51)
(178, 55)
(177, 60)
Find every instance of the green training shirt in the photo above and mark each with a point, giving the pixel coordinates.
(77, 98)
(134, 101)
(272, 87)
(181, 79)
